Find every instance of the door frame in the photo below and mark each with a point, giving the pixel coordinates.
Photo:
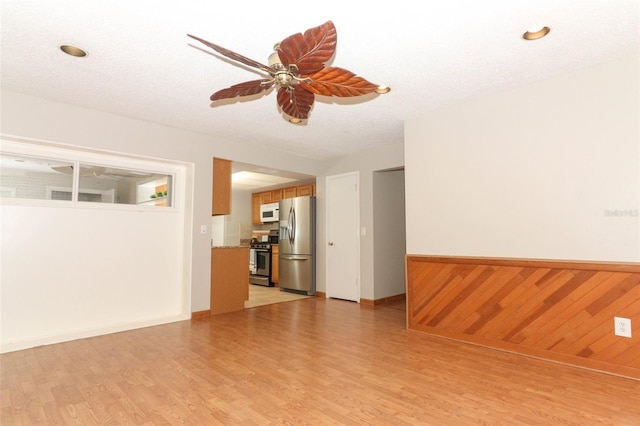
(328, 179)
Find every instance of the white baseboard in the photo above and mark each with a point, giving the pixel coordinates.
(83, 334)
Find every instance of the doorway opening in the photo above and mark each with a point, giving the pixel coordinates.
(389, 231)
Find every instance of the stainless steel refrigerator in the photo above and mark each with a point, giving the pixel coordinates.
(296, 245)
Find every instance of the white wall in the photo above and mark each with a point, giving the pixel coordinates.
(39, 119)
(63, 275)
(531, 173)
(225, 229)
(241, 208)
(71, 270)
(380, 158)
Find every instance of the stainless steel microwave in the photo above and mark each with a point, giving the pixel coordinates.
(269, 212)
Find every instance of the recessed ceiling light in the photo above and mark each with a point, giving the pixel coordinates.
(73, 50)
(536, 33)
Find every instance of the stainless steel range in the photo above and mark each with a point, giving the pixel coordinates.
(260, 260)
(260, 264)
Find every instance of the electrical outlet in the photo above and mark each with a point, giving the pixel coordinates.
(622, 326)
(203, 229)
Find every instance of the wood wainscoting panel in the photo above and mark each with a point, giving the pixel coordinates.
(556, 310)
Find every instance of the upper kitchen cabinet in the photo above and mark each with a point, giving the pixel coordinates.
(290, 192)
(255, 208)
(266, 197)
(272, 196)
(276, 195)
(221, 196)
(299, 190)
(309, 189)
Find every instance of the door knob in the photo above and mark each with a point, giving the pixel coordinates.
(330, 243)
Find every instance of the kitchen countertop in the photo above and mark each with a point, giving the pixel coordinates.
(228, 247)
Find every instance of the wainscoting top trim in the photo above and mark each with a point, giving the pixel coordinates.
(633, 267)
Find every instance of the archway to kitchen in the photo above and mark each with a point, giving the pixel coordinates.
(249, 181)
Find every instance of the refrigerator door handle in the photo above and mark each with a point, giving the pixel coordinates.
(293, 225)
(294, 257)
(290, 226)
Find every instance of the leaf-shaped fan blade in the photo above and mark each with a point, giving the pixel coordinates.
(334, 81)
(296, 102)
(309, 51)
(243, 89)
(235, 56)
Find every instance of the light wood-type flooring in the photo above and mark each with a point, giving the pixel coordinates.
(307, 362)
(260, 296)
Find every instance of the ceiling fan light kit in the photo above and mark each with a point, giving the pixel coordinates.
(536, 33)
(73, 50)
(297, 67)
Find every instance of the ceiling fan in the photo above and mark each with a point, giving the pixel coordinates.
(297, 68)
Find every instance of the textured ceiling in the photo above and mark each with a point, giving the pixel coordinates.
(141, 63)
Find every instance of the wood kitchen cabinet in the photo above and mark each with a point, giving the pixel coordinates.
(276, 195)
(221, 196)
(265, 197)
(274, 264)
(309, 189)
(272, 196)
(255, 208)
(299, 190)
(229, 279)
(290, 192)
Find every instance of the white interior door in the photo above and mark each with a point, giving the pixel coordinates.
(343, 238)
